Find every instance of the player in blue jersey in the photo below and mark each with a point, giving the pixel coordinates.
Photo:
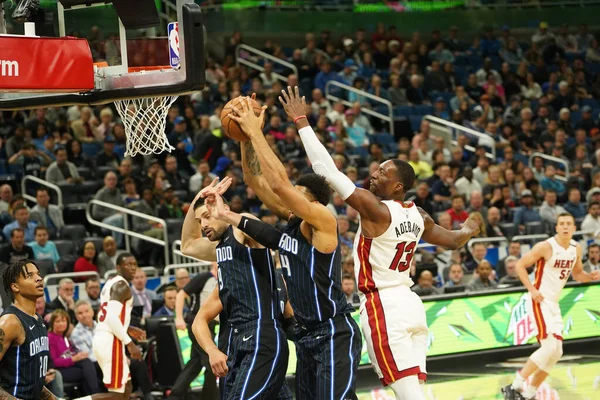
(328, 341)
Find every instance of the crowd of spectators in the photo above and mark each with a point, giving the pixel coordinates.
(521, 96)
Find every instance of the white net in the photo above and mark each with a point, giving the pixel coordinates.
(144, 121)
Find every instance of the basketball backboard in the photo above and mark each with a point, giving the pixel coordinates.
(126, 49)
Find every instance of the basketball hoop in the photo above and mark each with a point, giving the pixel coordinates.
(144, 120)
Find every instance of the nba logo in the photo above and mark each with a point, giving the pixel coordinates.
(173, 31)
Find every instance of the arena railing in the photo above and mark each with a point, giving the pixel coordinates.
(500, 239)
(450, 130)
(193, 268)
(258, 53)
(387, 118)
(27, 178)
(150, 272)
(125, 230)
(554, 160)
(58, 276)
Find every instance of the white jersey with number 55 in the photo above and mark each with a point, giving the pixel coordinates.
(384, 262)
(125, 316)
(552, 274)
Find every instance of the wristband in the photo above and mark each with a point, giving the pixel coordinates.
(299, 118)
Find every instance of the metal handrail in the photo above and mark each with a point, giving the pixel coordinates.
(179, 257)
(553, 159)
(150, 271)
(56, 188)
(71, 275)
(125, 230)
(470, 131)
(194, 268)
(253, 65)
(530, 237)
(388, 118)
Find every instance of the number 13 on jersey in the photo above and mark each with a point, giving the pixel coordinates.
(403, 258)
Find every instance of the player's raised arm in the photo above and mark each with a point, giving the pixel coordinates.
(254, 178)
(435, 234)
(261, 232)
(192, 242)
(10, 330)
(579, 274)
(363, 201)
(208, 312)
(275, 173)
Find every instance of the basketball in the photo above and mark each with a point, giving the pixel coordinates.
(230, 127)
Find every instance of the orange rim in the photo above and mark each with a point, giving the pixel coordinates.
(149, 68)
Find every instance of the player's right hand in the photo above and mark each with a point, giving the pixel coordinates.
(218, 363)
(180, 324)
(134, 351)
(536, 295)
(293, 105)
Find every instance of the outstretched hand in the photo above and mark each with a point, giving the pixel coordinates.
(472, 226)
(293, 104)
(220, 187)
(244, 115)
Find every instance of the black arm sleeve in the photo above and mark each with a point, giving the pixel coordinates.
(260, 231)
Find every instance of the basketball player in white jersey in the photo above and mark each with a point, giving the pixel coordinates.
(113, 332)
(555, 259)
(392, 316)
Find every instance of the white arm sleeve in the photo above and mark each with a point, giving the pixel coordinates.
(113, 310)
(323, 164)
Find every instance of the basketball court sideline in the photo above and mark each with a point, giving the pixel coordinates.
(576, 377)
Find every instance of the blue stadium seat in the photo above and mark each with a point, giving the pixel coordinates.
(402, 111)
(415, 122)
(423, 109)
(360, 151)
(575, 117)
(590, 102)
(91, 149)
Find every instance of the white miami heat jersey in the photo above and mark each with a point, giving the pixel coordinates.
(384, 262)
(551, 275)
(125, 316)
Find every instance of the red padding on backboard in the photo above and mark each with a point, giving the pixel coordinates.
(30, 64)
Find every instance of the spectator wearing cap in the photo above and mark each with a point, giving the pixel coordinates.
(587, 122)
(526, 213)
(550, 210)
(325, 75)
(541, 38)
(356, 133)
(549, 182)
(108, 157)
(591, 222)
(171, 207)
(61, 170)
(31, 160)
(348, 73)
(440, 110)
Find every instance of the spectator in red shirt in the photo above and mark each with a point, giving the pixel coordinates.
(87, 262)
(457, 211)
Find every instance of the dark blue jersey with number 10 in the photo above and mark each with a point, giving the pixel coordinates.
(23, 368)
(313, 278)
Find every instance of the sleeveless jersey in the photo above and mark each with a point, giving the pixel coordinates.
(384, 262)
(24, 367)
(125, 316)
(247, 282)
(551, 275)
(313, 278)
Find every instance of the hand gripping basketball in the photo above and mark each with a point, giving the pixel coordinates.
(244, 115)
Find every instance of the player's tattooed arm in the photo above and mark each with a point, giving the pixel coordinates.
(254, 178)
(46, 394)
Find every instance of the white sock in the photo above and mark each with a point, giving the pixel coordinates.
(530, 392)
(518, 382)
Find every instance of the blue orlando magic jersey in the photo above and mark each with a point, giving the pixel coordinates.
(247, 282)
(313, 278)
(23, 368)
